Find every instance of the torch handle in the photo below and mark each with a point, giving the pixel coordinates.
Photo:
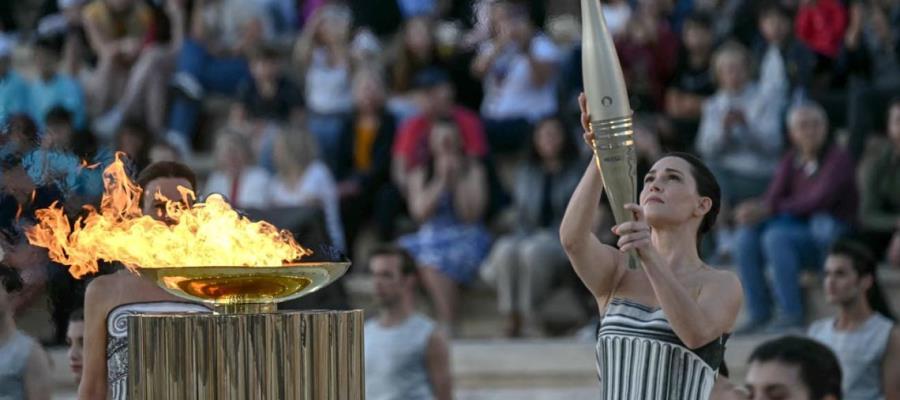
(617, 161)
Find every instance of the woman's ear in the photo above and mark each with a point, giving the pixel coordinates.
(703, 206)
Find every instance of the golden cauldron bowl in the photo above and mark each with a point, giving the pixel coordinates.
(246, 290)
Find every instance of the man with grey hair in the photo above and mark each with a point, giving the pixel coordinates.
(811, 200)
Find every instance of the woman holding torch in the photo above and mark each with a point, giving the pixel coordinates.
(664, 325)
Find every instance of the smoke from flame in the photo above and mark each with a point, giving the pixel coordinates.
(204, 234)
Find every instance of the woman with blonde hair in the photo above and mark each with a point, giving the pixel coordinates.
(236, 176)
(304, 180)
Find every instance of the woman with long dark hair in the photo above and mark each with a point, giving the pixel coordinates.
(664, 325)
(862, 334)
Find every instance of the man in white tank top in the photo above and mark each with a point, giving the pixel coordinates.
(406, 357)
(24, 367)
(865, 340)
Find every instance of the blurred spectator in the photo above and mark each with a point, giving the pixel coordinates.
(213, 59)
(792, 367)
(163, 151)
(323, 55)
(304, 180)
(820, 24)
(862, 335)
(416, 52)
(778, 41)
(61, 134)
(19, 135)
(447, 197)
(75, 342)
(740, 134)
(270, 95)
(24, 366)
(517, 67)
(645, 51)
(873, 41)
(406, 357)
(523, 265)
(616, 14)
(810, 202)
(692, 82)
(146, 91)
(116, 31)
(879, 215)
(134, 140)
(14, 89)
(20, 196)
(435, 95)
(364, 165)
(236, 177)
(54, 88)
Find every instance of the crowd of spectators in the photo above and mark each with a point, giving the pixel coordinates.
(448, 127)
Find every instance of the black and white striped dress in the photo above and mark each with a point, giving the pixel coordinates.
(640, 357)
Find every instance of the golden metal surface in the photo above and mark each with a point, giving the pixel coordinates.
(288, 355)
(610, 110)
(245, 285)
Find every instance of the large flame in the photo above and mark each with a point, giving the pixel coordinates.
(204, 234)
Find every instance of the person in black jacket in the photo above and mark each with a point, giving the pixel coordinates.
(364, 162)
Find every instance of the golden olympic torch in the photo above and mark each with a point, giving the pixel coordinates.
(611, 115)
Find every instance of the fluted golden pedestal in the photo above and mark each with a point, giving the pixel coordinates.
(303, 355)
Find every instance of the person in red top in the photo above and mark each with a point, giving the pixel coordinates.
(435, 96)
(820, 24)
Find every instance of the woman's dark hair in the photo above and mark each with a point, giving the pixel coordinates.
(569, 150)
(10, 279)
(864, 263)
(819, 367)
(707, 186)
(166, 169)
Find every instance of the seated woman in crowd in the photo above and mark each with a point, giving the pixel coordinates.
(448, 197)
(116, 32)
(523, 264)
(879, 215)
(244, 184)
(304, 180)
(322, 54)
(740, 130)
(811, 201)
(364, 163)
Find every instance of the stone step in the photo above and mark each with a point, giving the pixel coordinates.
(509, 367)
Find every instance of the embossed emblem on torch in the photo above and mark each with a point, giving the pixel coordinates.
(611, 115)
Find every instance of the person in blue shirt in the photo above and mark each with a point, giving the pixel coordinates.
(13, 89)
(53, 88)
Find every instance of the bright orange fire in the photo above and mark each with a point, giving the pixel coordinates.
(205, 234)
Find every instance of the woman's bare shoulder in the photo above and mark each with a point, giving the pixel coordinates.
(721, 280)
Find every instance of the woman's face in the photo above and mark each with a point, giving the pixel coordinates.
(670, 194)
(548, 139)
(731, 72)
(230, 158)
(444, 140)
(893, 125)
(697, 38)
(369, 93)
(418, 37)
(807, 131)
